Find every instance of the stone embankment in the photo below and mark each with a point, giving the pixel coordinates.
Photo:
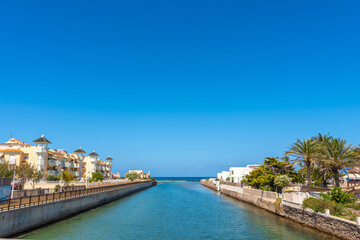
(270, 201)
(18, 220)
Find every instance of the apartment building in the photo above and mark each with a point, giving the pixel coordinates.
(15, 152)
(54, 161)
(92, 163)
(140, 173)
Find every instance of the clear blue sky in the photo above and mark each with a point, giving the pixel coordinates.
(180, 88)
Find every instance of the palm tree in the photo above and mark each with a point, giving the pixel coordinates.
(338, 155)
(304, 152)
(322, 168)
(322, 138)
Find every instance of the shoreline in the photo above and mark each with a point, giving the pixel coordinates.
(14, 223)
(338, 227)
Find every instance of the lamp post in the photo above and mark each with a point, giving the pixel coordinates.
(61, 180)
(13, 185)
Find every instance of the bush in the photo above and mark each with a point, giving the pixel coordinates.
(338, 196)
(153, 179)
(57, 188)
(355, 206)
(319, 205)
(52, 178)
(96, 177)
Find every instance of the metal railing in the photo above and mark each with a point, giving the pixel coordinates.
(22, 202)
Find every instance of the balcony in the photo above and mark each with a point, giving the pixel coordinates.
(40, 149)
(76, 174)
(51, 162)
(76, 165)
(60, 163)
(69, 164)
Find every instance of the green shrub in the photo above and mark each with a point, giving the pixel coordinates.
(153, 179)
(338, 196)
(52, 178)
(57, 188)
(319, 205)
(355, 206)
(96, 177)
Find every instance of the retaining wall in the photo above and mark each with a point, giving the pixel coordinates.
(338, 227)
(19, 220)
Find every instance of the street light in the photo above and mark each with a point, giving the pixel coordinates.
(13, 185)
(61, 173)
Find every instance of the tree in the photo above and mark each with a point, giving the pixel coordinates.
(282, 181)
(5, 170)
(36, 176)
(321, 172)
(264, 176)
(337, 155)
(96, 177)
(67, 177)
(304, 152)
(24, 172)
(132, 176)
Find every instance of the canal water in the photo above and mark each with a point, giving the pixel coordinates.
(176, 211)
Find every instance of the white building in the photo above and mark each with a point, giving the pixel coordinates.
(223, 175)
(237, 173)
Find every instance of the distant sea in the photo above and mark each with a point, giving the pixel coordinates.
(194, 179)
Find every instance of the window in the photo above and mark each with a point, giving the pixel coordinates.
(12, 159)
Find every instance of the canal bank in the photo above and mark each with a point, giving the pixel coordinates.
(15, 221)
(176, 211)
(269, 201)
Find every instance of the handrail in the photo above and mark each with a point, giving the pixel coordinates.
(22, 202)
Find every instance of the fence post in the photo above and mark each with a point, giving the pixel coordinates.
(38, 199)
(327, 212)
(358, 220)
(20, 202)
(9, 204)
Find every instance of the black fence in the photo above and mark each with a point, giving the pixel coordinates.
(73, 188)
(21, 202)
(30, 192)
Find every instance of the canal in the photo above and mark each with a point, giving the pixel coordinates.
(176, 211)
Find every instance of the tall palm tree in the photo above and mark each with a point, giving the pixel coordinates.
(322, 168)
(322, 138)
(338, 155)
(304, 152)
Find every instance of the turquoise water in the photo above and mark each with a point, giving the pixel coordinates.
(192, 179)
(176, 211)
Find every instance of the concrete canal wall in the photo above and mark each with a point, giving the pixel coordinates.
(19, 220)
(338, 227)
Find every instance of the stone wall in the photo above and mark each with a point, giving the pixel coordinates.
(339, 227)
(16, 221)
